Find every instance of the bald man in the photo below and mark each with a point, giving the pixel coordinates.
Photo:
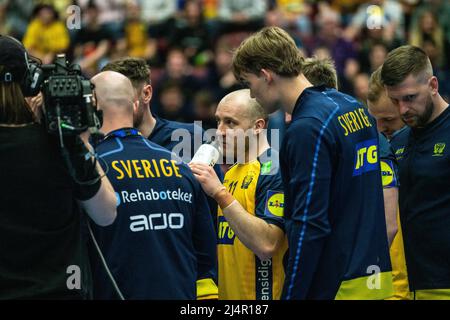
(251, 239)
(163, 240)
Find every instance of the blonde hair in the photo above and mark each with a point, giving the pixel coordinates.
(271, 48)
(416, 37)
(320, 71)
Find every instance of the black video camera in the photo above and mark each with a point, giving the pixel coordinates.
(69, 108)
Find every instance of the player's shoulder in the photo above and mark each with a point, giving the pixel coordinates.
(400, 137)
(270, 162)
(322, 105)
(174, 125)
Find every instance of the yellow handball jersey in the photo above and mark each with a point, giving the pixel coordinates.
(258, 187)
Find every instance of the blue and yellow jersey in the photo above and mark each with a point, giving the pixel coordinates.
(257, 186)
(424, 200)
(334, 210)
(389, 178)
(163, 239)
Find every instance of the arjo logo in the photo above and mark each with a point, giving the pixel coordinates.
(156, 221)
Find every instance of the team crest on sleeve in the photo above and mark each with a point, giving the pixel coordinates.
(388, 174)
(274, 204)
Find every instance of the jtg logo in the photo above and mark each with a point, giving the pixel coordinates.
(226, 235)
(366, 157)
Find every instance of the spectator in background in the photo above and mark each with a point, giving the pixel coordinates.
(111, 15)
(220, 79)
(347, 8)
(59, 5)
(442, 72)
(291, 15)
(204, 109)
(384, 15)
(91, 43)
(159, 16)
(427, 29)
(361, 87)
(137, 42)
(14, 17)
(191, 34)
(241, 15)
(173, 104)
(441, 10)
(329, 30)
(296, 15)
(377, 55)
(321, 53)
(178, 73)
(46, 35)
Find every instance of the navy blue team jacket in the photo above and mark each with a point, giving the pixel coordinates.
(163, 238)
(334, 209)
(424, 201)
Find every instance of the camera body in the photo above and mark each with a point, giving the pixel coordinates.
(69, 108)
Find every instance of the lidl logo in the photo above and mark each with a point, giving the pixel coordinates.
(225, 234)
(366, 157)
(439, 149)
(274, 203)
(387, 174)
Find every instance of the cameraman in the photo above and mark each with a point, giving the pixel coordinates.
(41, 250)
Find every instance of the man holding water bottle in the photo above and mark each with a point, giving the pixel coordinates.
(251, 199)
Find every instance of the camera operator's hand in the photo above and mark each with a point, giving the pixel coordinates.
(85, 137)
(97, 198)
(36, 104)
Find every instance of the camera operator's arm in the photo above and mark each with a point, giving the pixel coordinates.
(101, 207)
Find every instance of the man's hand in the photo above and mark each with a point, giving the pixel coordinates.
(207, 178)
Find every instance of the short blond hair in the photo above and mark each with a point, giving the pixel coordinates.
(376, 87)
(320, 71)
(271, 48)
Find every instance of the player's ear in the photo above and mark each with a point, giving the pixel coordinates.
(259, 126)
(147, 93)
(267, 75)
(434, 85)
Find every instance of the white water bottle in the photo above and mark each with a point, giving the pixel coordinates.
(208, 153)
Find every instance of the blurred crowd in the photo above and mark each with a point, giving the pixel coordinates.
(189, 43)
